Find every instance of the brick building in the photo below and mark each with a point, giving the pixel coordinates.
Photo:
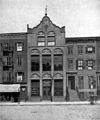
(42, 64)
(13, 66)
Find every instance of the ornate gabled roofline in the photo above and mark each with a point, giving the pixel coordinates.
(30, 29)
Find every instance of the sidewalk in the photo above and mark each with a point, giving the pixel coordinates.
(47, 103)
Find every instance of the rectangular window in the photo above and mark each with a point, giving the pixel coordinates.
(90, 64)
(35, 88)
(80, 49)
(90, 49)
(9, 60)
(79, 64)
(70, 50)
(92, 82)
(58, 62)
(19, 46)
(70, 64)
(19, 60)
(41, 40)
(51, 40)
(46, 62)
(5, 46)
(19, 76)
(81, 82)
(58, 87)
(35, 62)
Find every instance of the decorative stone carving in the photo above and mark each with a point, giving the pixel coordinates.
(35, 51)
(35, 76)
(58, 76)
(46, 51)
(46, 76)
(58, 51)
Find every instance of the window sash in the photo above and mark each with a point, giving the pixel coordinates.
(35, 62)
(51, 43)
(70, 50)
(19, 76)
(90, 64)
(19, 47)
(80, 49)
(41, 43)
(46, 62)
(58, 62)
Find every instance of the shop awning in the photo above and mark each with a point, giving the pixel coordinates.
(10, 88)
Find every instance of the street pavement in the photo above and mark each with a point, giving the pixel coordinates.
(50, 111)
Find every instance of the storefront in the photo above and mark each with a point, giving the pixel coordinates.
(9, 93)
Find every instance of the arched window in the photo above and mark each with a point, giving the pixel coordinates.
(41, 39)
(51, 38)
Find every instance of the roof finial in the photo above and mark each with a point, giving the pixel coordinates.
(46, 10)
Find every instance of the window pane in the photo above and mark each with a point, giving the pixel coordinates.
(41, 39)
(51, 43)
(80, 64)
(51, 38)
(35, 88)
(19, 46)
(70, 50)
(90, 49)
(80, 49)
(41, 43)
(46, 65)
(19, 76)
(58, 87)
(90, 64)
(35, 63)
(58, 62)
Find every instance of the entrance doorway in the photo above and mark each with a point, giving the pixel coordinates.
(46, 89)
(71, 82)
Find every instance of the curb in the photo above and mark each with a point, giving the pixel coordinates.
(48, 103)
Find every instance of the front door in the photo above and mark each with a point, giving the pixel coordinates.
(46, 90)
(46, 93)
(71, 82)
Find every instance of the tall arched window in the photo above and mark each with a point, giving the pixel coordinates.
(41, 39)
(51, 38)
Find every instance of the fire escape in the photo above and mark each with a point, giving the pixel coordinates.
(7, 63)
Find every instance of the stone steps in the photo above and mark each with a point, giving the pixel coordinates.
(73, 95)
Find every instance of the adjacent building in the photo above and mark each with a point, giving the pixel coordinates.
(13, 66)
(43, 64)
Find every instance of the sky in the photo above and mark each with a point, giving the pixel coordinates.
(81, 18)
